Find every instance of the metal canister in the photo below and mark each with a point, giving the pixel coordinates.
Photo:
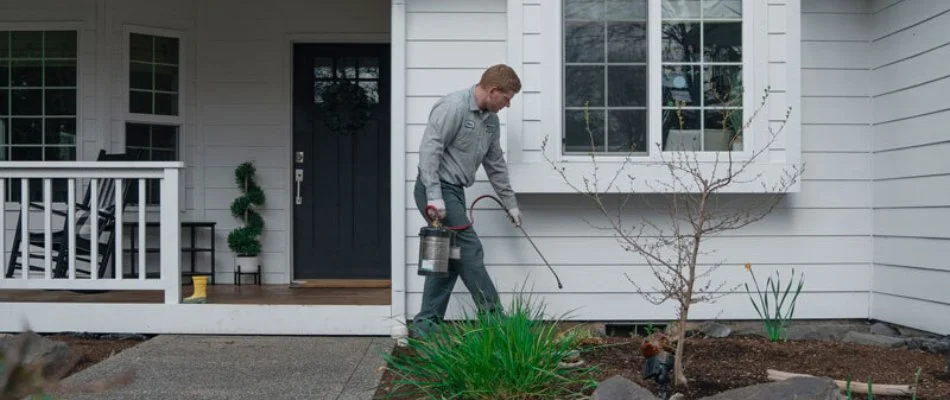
(435, 247)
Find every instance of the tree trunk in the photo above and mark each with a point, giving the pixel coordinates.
(678, 367)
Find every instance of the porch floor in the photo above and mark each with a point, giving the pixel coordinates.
(217, 294)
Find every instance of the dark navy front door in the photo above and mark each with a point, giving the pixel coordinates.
(341, 212)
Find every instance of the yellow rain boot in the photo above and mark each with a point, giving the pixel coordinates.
(200, 296)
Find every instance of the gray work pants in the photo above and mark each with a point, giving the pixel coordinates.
(471, 265)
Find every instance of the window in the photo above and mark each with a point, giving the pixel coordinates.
(153, 74)
(154, 119)
(151, 143)
(607, 66)
(38, 110)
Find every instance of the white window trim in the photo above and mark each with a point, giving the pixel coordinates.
(553, 93)
(137, 118)
(82, 49)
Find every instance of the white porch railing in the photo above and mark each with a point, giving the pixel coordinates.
(67, 243)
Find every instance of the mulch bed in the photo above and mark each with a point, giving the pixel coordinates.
(93, 350)
(717, 365)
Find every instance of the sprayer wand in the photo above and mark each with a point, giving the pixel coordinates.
(471, 217)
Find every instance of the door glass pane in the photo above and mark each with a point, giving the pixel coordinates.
(346, 67)
(323, 68)
(372, 90)
(369, 68)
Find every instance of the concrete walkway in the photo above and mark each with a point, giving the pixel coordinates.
(245, 367)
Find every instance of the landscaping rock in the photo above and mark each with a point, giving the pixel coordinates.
(873, 340)
(804, 388)
(880, 328)
(930, 345)
(716, 330)
(823, 331)
(620, 388)
(53, 354)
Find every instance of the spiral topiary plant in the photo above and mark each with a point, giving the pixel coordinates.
(245, 240)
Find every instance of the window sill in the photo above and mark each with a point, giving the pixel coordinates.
(651, 177)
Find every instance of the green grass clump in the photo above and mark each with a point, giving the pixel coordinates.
(505, 356)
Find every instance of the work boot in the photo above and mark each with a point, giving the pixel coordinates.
(200, 295)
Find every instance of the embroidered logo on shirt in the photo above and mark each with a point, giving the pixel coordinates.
(469, 124)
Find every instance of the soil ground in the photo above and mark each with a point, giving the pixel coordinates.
(717, 365)
(94, 349)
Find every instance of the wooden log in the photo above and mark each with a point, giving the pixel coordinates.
(856, 387)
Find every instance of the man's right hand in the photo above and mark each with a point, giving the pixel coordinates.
(439, 206)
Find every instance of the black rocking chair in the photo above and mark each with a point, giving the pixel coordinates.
(60, 238)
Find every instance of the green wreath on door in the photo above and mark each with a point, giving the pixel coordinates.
(346, 107)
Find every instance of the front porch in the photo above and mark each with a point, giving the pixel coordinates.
(217, 294)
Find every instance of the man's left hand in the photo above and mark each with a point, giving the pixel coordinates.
(515, 215)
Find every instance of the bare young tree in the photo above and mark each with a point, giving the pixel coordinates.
(695, 208)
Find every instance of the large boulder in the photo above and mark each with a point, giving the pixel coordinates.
(620, 388)
(803, 388)
(54, 355)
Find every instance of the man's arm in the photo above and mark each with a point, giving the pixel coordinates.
(497, 170)
(444, 121)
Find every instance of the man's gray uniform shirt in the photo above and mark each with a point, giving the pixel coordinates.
(457, 139)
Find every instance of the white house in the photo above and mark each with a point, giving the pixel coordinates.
(198, 87)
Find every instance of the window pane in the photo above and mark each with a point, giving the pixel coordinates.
(27, 73)
(627, 131)
(4, 102)
(27, 44)
(140, 76)
(319, 88)
(61, 131)
(723, 86)
(60, 73)
(61, 44)
(61, 102)
(681, 9)
(627, 86)
(4, 131)
(166, 50)
(721, 129)
(163, 155)
(722, 8)
(578, 131)
(140, 47)
(681, 84)
(369, 68)
(4, 73)
(681, 42)
(60, 153)
(627, 42)
(681, 130)
(27, 102)
(722, 41)
(5, 155)
(166, 78)
(164, 137)
(627, 10)
(22, 153)
(4, 45)
(166, 104)
(584, 84)
(136, 135)
(584, 42)
(27, 131)
(140, 102)
(584, 9)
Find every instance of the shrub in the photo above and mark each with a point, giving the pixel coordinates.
(510, 355)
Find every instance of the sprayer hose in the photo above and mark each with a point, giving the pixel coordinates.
(471, 221)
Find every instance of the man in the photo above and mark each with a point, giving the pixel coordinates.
(463, 133)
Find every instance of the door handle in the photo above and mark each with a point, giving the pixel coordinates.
(298, 177)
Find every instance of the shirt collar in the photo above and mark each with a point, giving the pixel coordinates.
(473, 105)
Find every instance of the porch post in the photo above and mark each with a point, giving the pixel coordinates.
(170, 231)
